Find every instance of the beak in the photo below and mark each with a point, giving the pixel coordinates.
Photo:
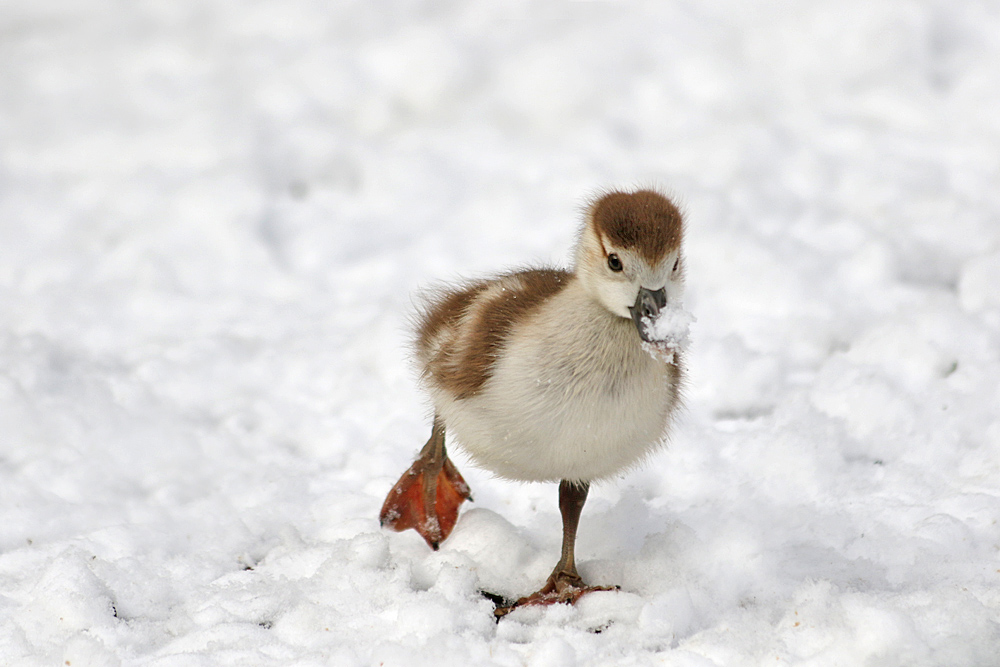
(647, 306)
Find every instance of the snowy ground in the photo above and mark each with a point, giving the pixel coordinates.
(213, 216)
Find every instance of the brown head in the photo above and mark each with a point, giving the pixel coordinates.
(629, 252)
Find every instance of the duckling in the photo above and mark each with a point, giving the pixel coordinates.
(546, 375)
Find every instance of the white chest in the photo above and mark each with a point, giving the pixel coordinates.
(580, 403)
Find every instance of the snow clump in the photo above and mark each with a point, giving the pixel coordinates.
(668, 332)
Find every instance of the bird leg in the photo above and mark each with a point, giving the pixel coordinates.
(428, 495)
(564, 584)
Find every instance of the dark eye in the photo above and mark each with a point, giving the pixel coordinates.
(614, 263)
(677, 263)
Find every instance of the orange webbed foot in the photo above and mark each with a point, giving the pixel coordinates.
(426, 498)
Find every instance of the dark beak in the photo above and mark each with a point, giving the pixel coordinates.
(647, 305)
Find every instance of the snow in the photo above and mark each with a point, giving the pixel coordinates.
(668, 332)
(213, 216)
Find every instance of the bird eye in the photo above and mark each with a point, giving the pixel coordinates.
(677, 263)
(614, 263)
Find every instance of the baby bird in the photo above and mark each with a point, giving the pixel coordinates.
(541, 375)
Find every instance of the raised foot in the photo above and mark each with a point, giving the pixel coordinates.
(426, 498)
(560, 587)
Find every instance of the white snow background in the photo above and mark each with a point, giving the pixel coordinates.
(214, 216)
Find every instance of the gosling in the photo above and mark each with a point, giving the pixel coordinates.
(546, 375)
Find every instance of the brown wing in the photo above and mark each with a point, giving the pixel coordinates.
(463, 330)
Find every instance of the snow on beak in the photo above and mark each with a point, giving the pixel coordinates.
(647, 306)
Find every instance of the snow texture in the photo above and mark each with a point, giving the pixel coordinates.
(668, 332)
(213, 216)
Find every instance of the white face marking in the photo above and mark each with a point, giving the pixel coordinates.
(617, 290)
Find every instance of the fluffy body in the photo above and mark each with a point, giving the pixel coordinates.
(540, 375)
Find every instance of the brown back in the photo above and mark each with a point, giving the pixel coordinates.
(463, 332)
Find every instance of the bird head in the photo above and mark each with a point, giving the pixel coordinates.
(628, 256)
